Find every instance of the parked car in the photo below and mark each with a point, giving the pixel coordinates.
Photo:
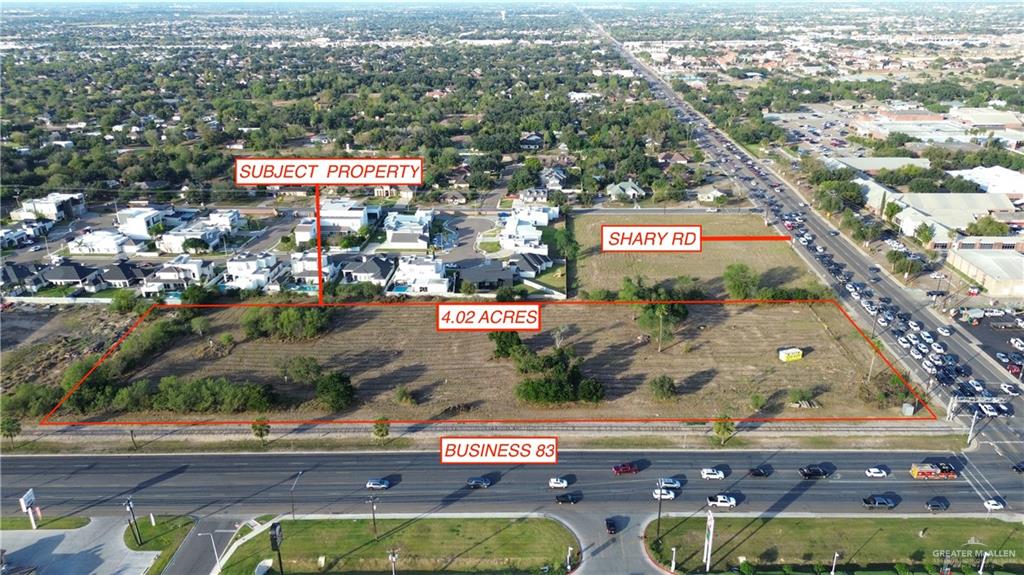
(1010, 389)
(610, 527)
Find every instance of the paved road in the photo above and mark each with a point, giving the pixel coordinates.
(222, 489)
(1004, 435)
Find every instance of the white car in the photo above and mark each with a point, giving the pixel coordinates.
(669, 483)
(927, 337)
(558, 483)
(943, 330)
(904, 343)
(35, 248)
(914, 325)
(938, 347)
(712, 473)
(916, 353)
(1010, 389)
(988, 410)
(664, 494)
(721, 500)
(1002, 357)
(994, 505)
(912, 337)
(711, 210)
(976, 385)
(378, 484)
(875, 473)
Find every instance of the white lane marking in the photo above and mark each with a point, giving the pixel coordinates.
(981, 475)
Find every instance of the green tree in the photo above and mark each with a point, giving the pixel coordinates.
(468, 288)
(987, 226)
(200, 325)
(381, 428)
(924, 233)
(301, 370)
(335, 390)
(891, 209)
(505, 343)
(10, 427)
(895, 257)
(723, 428)
(124, 301)
(261, 430)
(195, 245)
(740, 281)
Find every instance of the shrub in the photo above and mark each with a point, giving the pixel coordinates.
(796, 395)
(404, 396)
(663, 387)
(124, 301)
(757, 402)
(31, 400)
(133, 397)
(505, 343)
(301, 370)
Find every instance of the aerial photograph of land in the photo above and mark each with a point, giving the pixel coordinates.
(503, 288)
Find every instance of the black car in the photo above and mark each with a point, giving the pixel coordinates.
(878, 502)
(813, 472)
(1019, 468)
(760, 471)
(570, 498)
(936, 504)
(478, 483)
(609, 526)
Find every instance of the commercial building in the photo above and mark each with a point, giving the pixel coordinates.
(995, 180)
(1000, 272)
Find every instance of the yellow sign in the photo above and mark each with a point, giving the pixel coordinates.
(791, 354)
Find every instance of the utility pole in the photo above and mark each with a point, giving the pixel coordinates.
(291, 492)
(673, 560)
(568, 559)
(393, 558)
(658, 536)
(835, 558)
(981, 570)
(372, 502)
(970, 432)
(132, 522)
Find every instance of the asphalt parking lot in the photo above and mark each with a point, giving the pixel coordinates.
(97, 548)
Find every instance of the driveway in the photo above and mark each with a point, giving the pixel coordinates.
(97, 548)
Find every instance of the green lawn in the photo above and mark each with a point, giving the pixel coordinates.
(489, 247)
(55, 291)
(505, 204)
(864, 544)
(166, 537)
(109, 293)
(427, 545)
(554, 278)
(18, 522)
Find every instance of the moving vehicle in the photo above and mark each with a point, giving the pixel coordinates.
(933, 471)
(760, 471)
(994, 505)
(721, 500)
(813, 472)
(712, 473)
(557, 483)
(1010, 389)
(570, 498)
(478, 483)
(878, 502)
(378, 484)
(875, 473)
(936, 504)
(624, 468)
(669, 483)
(664, 494)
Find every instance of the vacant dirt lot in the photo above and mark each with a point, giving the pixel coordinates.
(775, 261)
(720, 357)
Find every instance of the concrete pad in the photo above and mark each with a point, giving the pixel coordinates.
(97, 548)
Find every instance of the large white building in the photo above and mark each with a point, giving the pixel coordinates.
(136, 222)
(56, 207)
(103, 242)
(174, 240)
(995, 180)
(345, 216)
(408, 231)
(247, 271)
(420, 275)
(521, 236)
(176, 275)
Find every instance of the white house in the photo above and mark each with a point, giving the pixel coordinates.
(305, 231)
(136, 222)
(536, 215)
(420, 275)
(304, 268)
(521, 237)
(174, 240)
(54, 207)
(227, 221)
(405, 231)
(176, 275)
(252, 271)
(625, 191)
(103, 242)
(533, 196)
(553, 178)
(12, 238)
(343, 216)
(710, 195)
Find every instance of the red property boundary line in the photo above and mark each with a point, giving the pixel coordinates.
(932, 415)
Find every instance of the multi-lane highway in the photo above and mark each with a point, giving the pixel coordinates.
(335, 483)
(1005, 435)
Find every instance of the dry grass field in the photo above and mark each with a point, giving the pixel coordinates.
(777, 263)
(720, 357)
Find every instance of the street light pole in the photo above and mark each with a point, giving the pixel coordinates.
(372, 502)
(291, 492)
(981, 570)
(393, 557)
(835, 558)
(673, 559)
(568, 559)
(658, 536)
(130, 508)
